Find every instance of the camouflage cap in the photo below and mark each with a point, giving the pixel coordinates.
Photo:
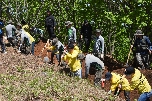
(18, 24)
(10, 21)
(98, 31)
(138, 32)
(67, 23)
(54, 41)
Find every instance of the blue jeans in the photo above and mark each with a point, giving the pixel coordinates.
(32, 50)
(77, 73)
(145, 96)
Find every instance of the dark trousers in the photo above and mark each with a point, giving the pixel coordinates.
(142, 60)
(2, 44)
(126, 94)
(32, 50)
(11, 41)
(87, 44)
(58, 56)
(51, 32)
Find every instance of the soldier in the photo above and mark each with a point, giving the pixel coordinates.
(141, 49)
(71, 31)
(86, 33)
(99, 45)
(50, 24)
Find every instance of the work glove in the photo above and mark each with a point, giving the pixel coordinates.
(101, 56)
(109, 92)
(65, 52)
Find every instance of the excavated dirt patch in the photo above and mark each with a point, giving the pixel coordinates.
(110, 65)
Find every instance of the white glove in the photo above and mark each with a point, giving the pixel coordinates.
(102, 79)
(65, 52)
(5, 37)
(109, 92)
(101, 56)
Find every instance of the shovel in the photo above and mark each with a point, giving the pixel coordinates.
(47, 44)
(128, 57)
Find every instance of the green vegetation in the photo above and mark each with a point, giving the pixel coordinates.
(118, 19)
(48, 85)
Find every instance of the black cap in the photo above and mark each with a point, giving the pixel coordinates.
(70, 46)
(108, 76)
(72, 41)
(129, 70)
(85, 21)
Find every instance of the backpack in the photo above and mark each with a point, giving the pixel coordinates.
(49, 21)
(142, 45)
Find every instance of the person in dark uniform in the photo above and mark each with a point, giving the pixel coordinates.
(50, 24)
(86, 33)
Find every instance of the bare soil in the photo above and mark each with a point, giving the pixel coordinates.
(110, 65)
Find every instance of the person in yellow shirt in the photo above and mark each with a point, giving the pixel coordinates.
(118, 83)
(25, 26)
(26, 37)
(140, 83)
(72, 41)
(73, 62)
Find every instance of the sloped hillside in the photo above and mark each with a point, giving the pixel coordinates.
(110, 65)
(27, 78)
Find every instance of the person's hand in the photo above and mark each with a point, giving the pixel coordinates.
(149, 51)
(65, 52)
(109, 92)
(102, 79)
(101, 56)
(119, 86)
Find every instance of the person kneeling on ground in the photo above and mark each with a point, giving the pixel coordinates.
(118, 83)
(94, 66)
(73, 62)
(140, 83)
(56, 48)
(25, 36)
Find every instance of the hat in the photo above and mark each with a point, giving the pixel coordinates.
(108, 76)
(70, 46)
(54, 41)
(67, 23)
(98, 30)
(72, 41)
(138, 32)
(85, 21)
(81, 56)
(129, 70)
(18, 24)
(10, 21)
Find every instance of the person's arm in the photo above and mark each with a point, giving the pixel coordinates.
(102, 42)
(148, 41)
(54, 22)
(97, 45)
(75, 36)
(73, 55)
(81, 32)
(22, 38)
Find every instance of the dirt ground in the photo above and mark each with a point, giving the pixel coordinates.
(110, 65)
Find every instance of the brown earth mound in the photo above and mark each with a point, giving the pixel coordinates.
(110, 65)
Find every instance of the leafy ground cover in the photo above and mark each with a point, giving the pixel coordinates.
(27, 78)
